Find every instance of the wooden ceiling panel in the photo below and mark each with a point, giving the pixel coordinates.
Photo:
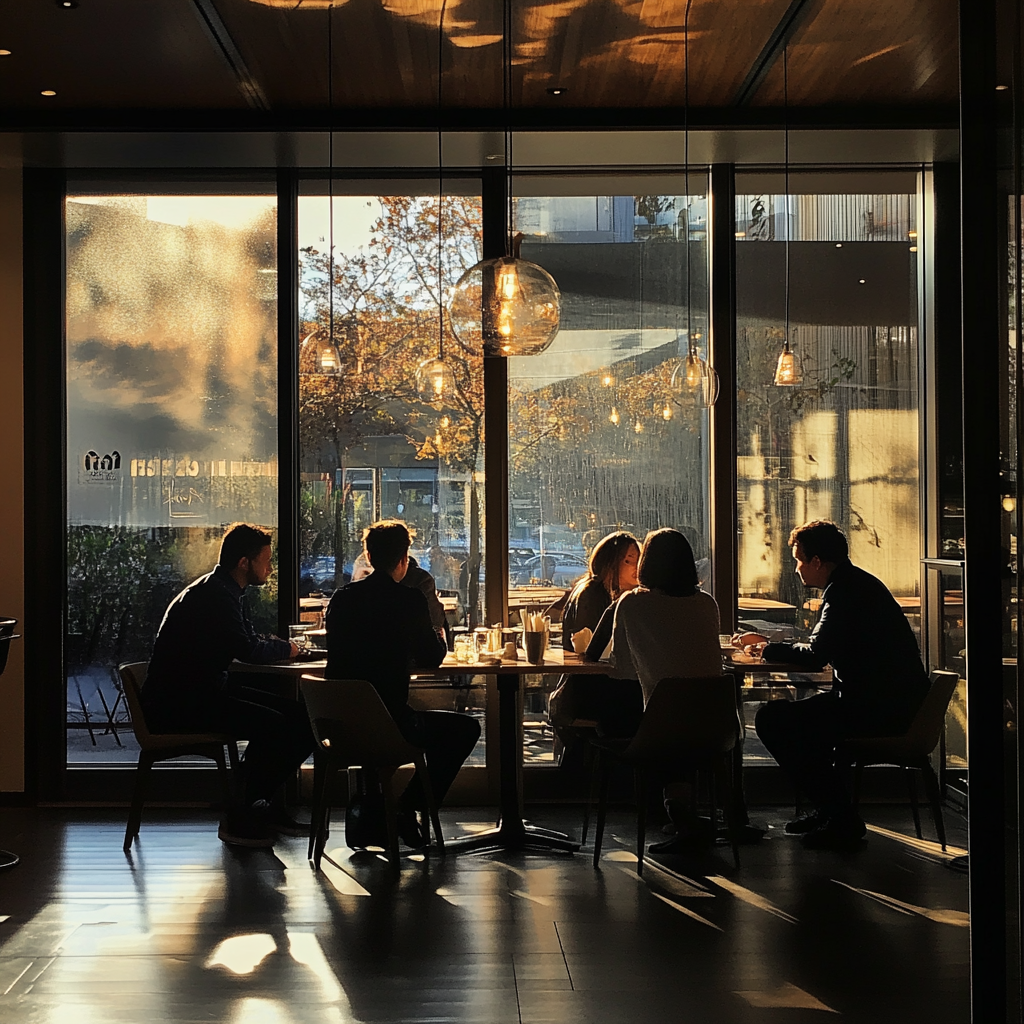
(852, 52)
(111, 54)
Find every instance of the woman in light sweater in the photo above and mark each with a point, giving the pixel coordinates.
(668, 627)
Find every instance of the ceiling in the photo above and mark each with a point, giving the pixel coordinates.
(268, 59)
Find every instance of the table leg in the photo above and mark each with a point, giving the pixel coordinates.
(512, 832)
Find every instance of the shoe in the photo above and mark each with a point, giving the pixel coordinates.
(846, 833)
(804, 823)
(410, 831)
(246, 831)
(688, 842)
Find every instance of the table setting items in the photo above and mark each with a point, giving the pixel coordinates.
(536, 628)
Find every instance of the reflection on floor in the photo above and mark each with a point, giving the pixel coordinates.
(189, 930)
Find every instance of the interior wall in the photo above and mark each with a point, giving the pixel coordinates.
(12, 479)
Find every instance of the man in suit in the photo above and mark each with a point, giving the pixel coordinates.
(878, 681)
(187, 688)
(378, 630)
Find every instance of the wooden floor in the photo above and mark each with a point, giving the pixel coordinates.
(190, 930)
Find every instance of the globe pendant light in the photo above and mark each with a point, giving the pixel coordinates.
(434, 379)
(787, 371)
(506, 306)
(694, 378)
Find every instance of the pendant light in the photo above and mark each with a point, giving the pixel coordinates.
(695, 378)
(787, 371)
(506, 306)
(319, 349)
(434, 376)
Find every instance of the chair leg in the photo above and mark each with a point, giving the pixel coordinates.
(222, 774)
(733, 819)
(428, 792)
(316, 811)
(602, 801)
(323, 820)
(640, 785)
(912, 787)
(858, 773)
(589, 761)
(386, 776)
(931, 784)
(138, 797)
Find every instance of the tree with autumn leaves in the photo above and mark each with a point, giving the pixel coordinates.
(388, 317)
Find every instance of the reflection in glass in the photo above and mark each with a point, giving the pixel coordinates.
(171, 423)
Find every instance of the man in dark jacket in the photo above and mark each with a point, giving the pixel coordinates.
(878, 681)
(378, 630)
(187, 689)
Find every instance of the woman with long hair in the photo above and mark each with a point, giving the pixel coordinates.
(615, 704)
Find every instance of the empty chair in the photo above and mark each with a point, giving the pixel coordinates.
(155, 747)
(353, 729)
(912, 750)
(688, 723)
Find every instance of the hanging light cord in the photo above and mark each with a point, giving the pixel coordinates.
(330, 167)
(785, 115)
(440, 187)
(686, 169)
(506, 102)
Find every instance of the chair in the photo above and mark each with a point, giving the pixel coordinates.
(155, 747)
(688, 723)
(911, 750)
(352, 728)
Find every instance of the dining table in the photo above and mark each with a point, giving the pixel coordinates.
(511, 831)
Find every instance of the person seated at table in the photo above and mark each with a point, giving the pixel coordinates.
(187, 688)
(378, 629)
(878, 681)
(666, 628)
(615, 704)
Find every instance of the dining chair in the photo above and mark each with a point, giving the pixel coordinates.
(687, 724)
(155, 747)
(352, 728)
(910, 751)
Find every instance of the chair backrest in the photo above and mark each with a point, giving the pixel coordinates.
(351, 724)
(923, 735)
(133, 675)
(687, 719)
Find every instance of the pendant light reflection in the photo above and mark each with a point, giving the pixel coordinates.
(788, 371)
(696, 379)
(434, 380)
(319, 354)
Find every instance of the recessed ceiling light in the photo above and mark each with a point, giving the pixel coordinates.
(66, 3)
(495, 156)
(1002, 88)
(839, 245)
(558, 90)
(5, 53)
(47, 92)
(913, 248)
(861, 281)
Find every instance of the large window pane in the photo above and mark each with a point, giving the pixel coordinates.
(375, 440)
(599, 438)
(171, 423)
(842, 443)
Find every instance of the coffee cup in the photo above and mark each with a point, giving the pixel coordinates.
(535, 642)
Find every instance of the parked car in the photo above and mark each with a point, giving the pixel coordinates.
(559, 569)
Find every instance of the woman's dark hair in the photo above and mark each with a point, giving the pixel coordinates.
(667, 564)
(242, 540)
(823, 538)
(606, 558)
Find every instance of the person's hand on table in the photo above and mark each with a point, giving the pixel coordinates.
(745, 640)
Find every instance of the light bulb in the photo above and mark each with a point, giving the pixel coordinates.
(638, 427)
(433, 379)
(666, 413)
(614, 417)
(787, 372)
(694, 371)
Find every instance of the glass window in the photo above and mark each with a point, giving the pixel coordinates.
(841, 442)
(171, 423)
(376, 439)
(599, 437)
